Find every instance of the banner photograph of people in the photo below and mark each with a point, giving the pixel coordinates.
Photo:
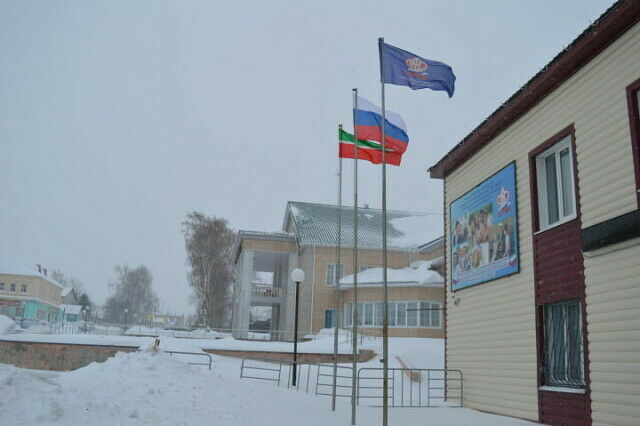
(484, 231)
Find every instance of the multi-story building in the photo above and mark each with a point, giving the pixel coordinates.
(28, 292)
(264, 261)
(543, 239)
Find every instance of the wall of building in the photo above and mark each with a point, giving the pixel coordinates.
(324, 295)
(36, 288)
(41, 297)
(430, 294)
(491, 332)
(613, 312)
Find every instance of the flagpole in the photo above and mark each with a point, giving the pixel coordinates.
(336, 317)
(354, 304)
(385, 322)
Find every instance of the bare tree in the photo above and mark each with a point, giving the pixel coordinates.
(68, 281)
(208, 241)
(133, 292)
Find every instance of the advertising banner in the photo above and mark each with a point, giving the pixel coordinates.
(484, 231)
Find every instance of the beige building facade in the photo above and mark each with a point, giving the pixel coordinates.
(309, 243)
(28, 293)
(557, 342)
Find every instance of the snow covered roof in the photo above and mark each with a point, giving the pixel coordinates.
(66, 291)
(71, 309)
(317, 224)
(418, 274)
(16, 267)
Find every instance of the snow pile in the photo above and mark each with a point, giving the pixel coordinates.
(416, 230)
(6, 325)
(150, 388)
(416, 274)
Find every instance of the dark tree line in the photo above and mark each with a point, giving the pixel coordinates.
(208, 241)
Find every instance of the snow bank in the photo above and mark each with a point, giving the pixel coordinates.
(7, 325)
(416, 230)
(149, 388)
(416, 274)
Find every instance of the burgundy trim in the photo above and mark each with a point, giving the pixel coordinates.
(634, 124)
(609, 27)
(558, 272)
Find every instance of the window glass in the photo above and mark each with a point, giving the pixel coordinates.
(23, 288)
(379, 314)
(552, 189)
(368, 314)
(412, 314)
(1, 286)
(331, 273)
(360, 313)
(401, 307)
(567, 182)
(435, 314)
(347, 314)
(392, 313)
(563, 357)
(424, 314)
(13, 287)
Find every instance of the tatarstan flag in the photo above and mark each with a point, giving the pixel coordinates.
(367, 150)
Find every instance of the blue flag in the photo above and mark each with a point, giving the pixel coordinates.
(403, 68)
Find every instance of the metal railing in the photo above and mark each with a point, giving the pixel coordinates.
(412, 387)
(408, 387)
(265, 291)
(193, 354)
(324, 380)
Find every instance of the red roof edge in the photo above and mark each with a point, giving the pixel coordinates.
(612, 24)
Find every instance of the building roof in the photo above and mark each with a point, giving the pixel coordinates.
(258, 235)
(418, 274)
(16, 267)
(317, 225)
(605, 30)
(66, 291)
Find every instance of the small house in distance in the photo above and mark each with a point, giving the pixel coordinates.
(308, 240)
(542, 237)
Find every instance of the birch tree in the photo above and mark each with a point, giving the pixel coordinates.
(133, 291)
(208, 242)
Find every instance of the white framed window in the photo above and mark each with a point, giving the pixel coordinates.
(331, 273)
(23, 288)
(12, 288)
(1, 286)
(402, 314)
(555, 182)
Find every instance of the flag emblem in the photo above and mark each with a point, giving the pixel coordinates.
(416, 64)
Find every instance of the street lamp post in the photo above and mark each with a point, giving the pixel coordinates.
(297, 276)
(126, 311)
(84, 318)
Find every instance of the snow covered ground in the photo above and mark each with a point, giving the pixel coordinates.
(154, 388)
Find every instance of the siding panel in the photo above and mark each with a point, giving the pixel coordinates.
(593, 100)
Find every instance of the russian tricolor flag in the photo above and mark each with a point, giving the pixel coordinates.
(369, 126)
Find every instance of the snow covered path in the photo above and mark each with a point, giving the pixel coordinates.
(148, 388)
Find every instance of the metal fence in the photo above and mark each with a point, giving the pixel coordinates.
(200, 354)
(411, 387)
(408, 387)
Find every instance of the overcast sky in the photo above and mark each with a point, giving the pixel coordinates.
(116, 118)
